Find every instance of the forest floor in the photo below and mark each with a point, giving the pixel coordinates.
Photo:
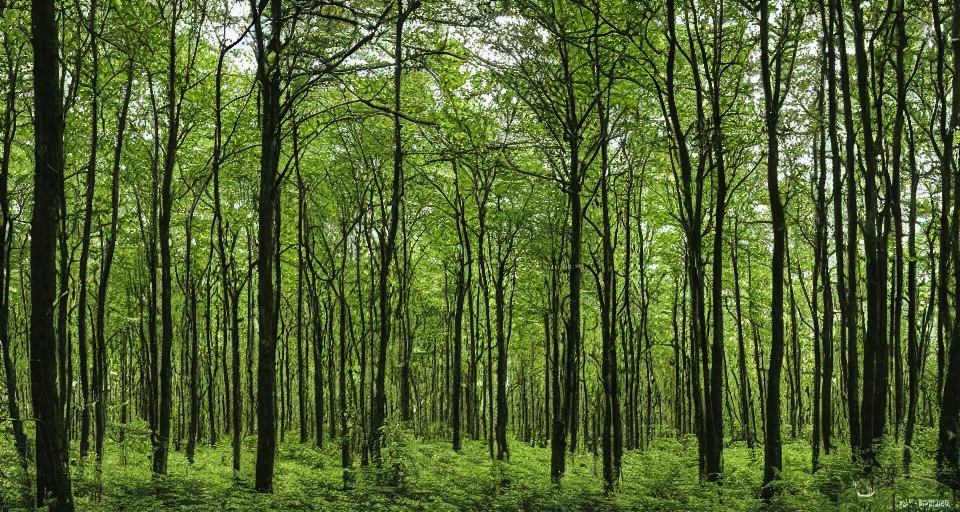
(430, 476)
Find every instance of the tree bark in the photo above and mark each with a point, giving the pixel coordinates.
(53, 474)
(745, 396)
(948, 450)
(100, 344)
(464, 261)
(873, 413)
(91, 180)
(850, 309)
(379, 409)
(773, 100)
(166, 204)
(913, 345)
(268, 78)
(9, 130)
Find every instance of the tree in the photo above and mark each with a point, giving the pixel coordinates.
(387, 249)
(873, 412)
(53, 474)
(100, 312)
(776, 83)
(268, 79)
(948, 450)
(11, 112)
(517, 223)
(85, 234)
(178, 83)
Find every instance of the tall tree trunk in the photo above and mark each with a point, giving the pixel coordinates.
(612, 425)
(745, 399)
(463, 284)
(268, 77)
(53, 474)
(301, 220)
(192, 338)
(873, 412)
(211, 345)
(91, 180)
(828, 23)
(895, 213)
(231, 292)
(379, 409)
(913, 345)
(823, 386)
(345, 435)
(149, 236)
(717, 356)
(166, 206)
(773, 99)
(100, 345)
(796, 397)
(851, 301)
(500, 307)
(555, 391)
(629, 340)
(948, 451)
(403, 329)
(10, 117)
(568, 412)
(64, 312)
(251, 381)
(691, 219)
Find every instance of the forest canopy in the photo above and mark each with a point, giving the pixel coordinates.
(514, 254)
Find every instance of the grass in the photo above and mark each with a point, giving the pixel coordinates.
(429, 476)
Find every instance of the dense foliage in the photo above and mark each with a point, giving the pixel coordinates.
(498, 255)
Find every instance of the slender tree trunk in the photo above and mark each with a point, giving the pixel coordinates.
(379, 410)
(91, 180)
(463, 284)
(345, 456)
(64, 340)
(612, 425)
(251, 381)
(100, 359)
(717, 351)
(873, 413)
(913, 345)
(10, 117)
(568, 413)
(301, 366)
(211, 347)
(895, 214)
(796, 398)
(404, 332)
(149, 235)
(166, 206)
(192, 338)
(823, 384)
(268, 77)
(503, 450)
(772, 94)
(231, 292)
(745, 399)
(851, 301)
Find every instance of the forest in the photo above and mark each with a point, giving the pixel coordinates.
(494, 255)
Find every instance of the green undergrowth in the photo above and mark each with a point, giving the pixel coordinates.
(427, 475)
